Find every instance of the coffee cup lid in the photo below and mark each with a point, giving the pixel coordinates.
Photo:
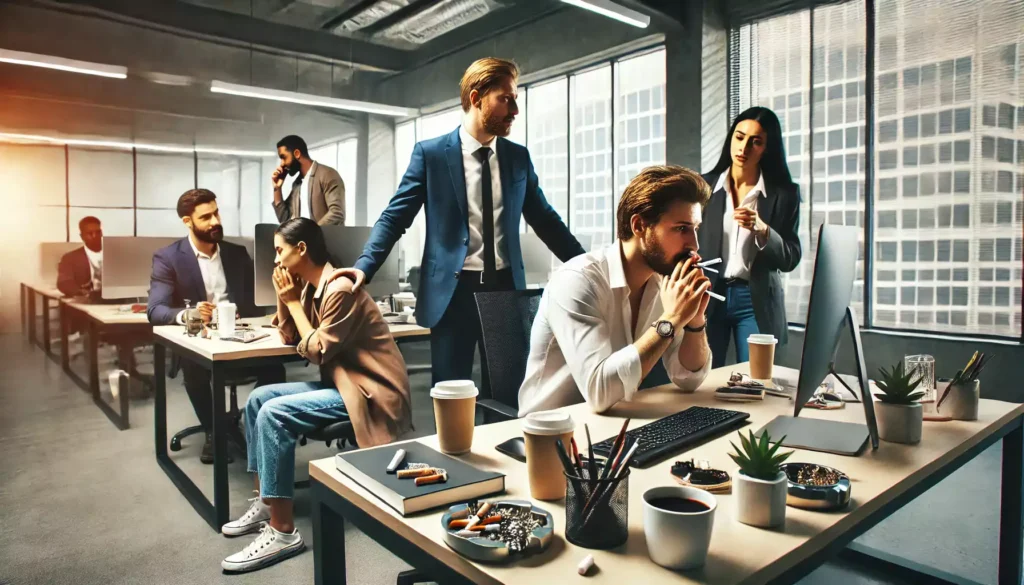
(226, 304)
(762, 339)
(454, 389)
(549, 422)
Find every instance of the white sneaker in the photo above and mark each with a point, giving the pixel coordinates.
(257, 514)
(269, 547)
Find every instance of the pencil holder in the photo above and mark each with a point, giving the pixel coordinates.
(597, 510)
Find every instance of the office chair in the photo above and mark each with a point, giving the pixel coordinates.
(506, 318)
(234, 414)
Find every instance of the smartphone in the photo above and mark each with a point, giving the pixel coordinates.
(514, 448)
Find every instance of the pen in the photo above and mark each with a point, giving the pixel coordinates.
(615, 450)
(576, 457)
(592, 462)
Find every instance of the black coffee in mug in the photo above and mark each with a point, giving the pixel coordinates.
(685, 505)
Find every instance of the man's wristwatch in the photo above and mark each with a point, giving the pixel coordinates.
(695, 329)
(664, 328)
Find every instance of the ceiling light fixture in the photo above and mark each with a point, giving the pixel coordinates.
(49, 62)
(310, 100)
(613, 10)
(19, 138)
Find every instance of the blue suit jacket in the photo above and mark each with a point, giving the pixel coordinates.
(176, 277)
(436, 180)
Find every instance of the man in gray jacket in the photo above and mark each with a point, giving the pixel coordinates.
(317, 193)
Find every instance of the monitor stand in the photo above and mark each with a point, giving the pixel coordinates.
(841, 438)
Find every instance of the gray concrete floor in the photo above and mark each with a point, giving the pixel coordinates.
(83, 503)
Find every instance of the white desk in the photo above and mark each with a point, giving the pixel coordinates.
(220, 357)
(883, 481)
(49, 297)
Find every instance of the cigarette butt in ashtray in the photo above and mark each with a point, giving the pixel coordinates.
(430, 479)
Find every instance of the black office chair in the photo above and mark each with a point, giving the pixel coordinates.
(234, 414)
(507, 318)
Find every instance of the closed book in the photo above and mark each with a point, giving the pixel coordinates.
(368, 468)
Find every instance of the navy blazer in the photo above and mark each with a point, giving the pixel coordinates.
(436, 180)
(176, 277)
(780, 209)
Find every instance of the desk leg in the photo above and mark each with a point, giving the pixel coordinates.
(1011, 518)
(160, 399)
(65, 331)
(32, 316)
(24, 307)
(46, 324)
(93, 355)
(220, 448)
(328, 540)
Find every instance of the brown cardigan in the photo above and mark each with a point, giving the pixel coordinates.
(357, 354)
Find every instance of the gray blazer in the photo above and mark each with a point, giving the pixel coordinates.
(780, 209)
(327, 197)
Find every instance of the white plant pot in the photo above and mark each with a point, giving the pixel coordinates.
(759, 502)
(962, 401)
(899, 423)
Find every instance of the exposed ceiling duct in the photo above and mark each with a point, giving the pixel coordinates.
(372, 14)
(438, 20)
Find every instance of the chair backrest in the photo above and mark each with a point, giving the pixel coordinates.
(506, 319)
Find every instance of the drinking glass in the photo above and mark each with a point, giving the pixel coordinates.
(923, 366)
(193, 322)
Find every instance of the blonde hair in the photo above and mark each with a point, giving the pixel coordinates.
(483, 75)
(651, 192)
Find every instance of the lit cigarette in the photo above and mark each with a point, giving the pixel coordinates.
(429, 479)
(396, 460)
(411, 473)
(714, 295)
(709, 262)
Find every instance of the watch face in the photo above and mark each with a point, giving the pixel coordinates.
(665, 329)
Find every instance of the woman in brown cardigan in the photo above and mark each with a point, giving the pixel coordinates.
(362, 378)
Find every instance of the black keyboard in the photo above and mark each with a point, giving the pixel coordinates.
(676, 433)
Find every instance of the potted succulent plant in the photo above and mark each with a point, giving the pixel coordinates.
(898, 412)
(760, 486)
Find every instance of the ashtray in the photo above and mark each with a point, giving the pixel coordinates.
(816, 487)
(510, 540)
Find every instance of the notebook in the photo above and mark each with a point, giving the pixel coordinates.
(368, 468)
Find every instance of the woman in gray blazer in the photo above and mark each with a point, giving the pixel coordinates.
(750, 221)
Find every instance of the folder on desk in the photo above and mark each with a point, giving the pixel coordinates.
(368, 468)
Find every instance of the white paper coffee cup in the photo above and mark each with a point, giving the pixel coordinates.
(226, 319)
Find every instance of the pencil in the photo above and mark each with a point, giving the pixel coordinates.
(591, 462)
(616, 447)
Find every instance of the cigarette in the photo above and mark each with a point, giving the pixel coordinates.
(396, 460)
(714, 295)
(417, 473)
(709, 262)
(462, 514)
(708, 268)
(467, 534)
(487, 525)
(484, 508)
(429, 479)
(460, 523)
(585, 565)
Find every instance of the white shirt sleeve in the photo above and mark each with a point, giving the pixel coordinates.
(579, 323)
(686, 380)
(180, 319)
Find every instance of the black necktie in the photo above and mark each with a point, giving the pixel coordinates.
(490, 264)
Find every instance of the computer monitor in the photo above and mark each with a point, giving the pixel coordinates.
(828, 310)
(128, 263)
(344, 243)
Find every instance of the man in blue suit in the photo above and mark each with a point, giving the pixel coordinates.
(475, 185)
(202, 269)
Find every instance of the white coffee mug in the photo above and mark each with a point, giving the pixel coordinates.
(226, 319)
(677, 539)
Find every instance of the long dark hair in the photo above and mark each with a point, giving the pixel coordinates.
(302, 229)
(773, 161)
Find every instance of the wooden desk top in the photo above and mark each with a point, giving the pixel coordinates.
(47, 290)
(214, 349)
(110, 314)
(738, 553)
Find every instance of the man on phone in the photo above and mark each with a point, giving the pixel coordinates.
(203, 269)
(317, 191)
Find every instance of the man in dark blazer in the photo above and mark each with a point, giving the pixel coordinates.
(475, 185)
(317, 192)
(204, 270)
(775, 223)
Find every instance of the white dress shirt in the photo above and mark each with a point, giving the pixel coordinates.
(214, 280)
(581, 345)
(739, 245)
(306, 205)
(475, 203)
(95, 268)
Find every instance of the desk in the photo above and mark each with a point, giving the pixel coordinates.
(112, 323)
(883, 481)
(50, 297)
(220, 358)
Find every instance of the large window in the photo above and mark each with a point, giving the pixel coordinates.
(591, 184)
(946, 199)
(547, 136)
(640, 116)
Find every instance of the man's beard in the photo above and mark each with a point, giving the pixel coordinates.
(294, 168)
(210, 236)
(655, 255)
(498, 126)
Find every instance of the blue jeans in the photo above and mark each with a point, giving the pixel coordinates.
(275, 416)
(733, 317)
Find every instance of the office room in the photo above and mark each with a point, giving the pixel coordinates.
(411, 291)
